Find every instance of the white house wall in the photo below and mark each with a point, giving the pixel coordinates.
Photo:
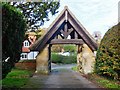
(30, 55)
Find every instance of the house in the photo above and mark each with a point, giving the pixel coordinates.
(26, 53)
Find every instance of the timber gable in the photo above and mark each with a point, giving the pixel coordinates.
(65, 25)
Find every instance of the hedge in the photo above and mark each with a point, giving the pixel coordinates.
(108, 58)
(60, 59)
(13, 30)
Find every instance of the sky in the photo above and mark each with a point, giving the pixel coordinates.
(94, 15)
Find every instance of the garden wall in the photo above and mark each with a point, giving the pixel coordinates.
(26, 64)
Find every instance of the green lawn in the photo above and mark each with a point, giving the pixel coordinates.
(16, 78)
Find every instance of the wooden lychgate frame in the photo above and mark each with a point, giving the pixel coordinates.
(64, 26)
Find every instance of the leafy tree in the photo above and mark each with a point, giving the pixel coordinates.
(40, 32)
(108, 58)
(57, 48)
(13, 30)
(36, 13)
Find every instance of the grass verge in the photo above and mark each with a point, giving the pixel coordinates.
(103, 82)
(16, 78)
(74, 68)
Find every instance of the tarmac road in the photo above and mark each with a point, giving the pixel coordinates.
(61, 77)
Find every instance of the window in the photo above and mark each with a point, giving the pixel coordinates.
(26, 43)
(24, 55)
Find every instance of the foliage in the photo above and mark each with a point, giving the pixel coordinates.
(13, 29)
(36, 13)
(40, 32)
(56, 58)
(16, 78)
(70, 48)
(108, 58)
(56, 48)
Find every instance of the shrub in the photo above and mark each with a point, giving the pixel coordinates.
(108, 58)
(13, 30)
(56, 58)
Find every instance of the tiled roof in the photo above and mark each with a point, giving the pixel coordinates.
(25, 49)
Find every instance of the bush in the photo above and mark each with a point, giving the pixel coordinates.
(56, 58)
(108, 58)
(13, 30)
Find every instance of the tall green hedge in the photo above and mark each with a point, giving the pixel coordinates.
(108, 54)
(13, 30)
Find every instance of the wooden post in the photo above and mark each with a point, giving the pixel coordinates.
(49, 60)
(76, 35)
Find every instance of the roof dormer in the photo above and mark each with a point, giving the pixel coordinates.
(26, 43)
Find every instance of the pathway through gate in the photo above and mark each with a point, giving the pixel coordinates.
(60, 78)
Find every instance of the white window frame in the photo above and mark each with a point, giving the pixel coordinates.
(24, 56)
(26, 43)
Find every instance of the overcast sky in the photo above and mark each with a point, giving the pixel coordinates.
(95, 15)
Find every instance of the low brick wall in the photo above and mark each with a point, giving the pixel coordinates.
(26, 64)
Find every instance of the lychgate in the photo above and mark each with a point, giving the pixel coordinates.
(64, 26)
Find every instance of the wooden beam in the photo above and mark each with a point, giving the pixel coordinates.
(83, 33)
(61, 36)
(66, 32)
(67, 41)
(41, 44)
(76, 35)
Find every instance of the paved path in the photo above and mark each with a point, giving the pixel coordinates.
(60, 78)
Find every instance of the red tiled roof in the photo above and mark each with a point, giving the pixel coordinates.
(25, 49)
